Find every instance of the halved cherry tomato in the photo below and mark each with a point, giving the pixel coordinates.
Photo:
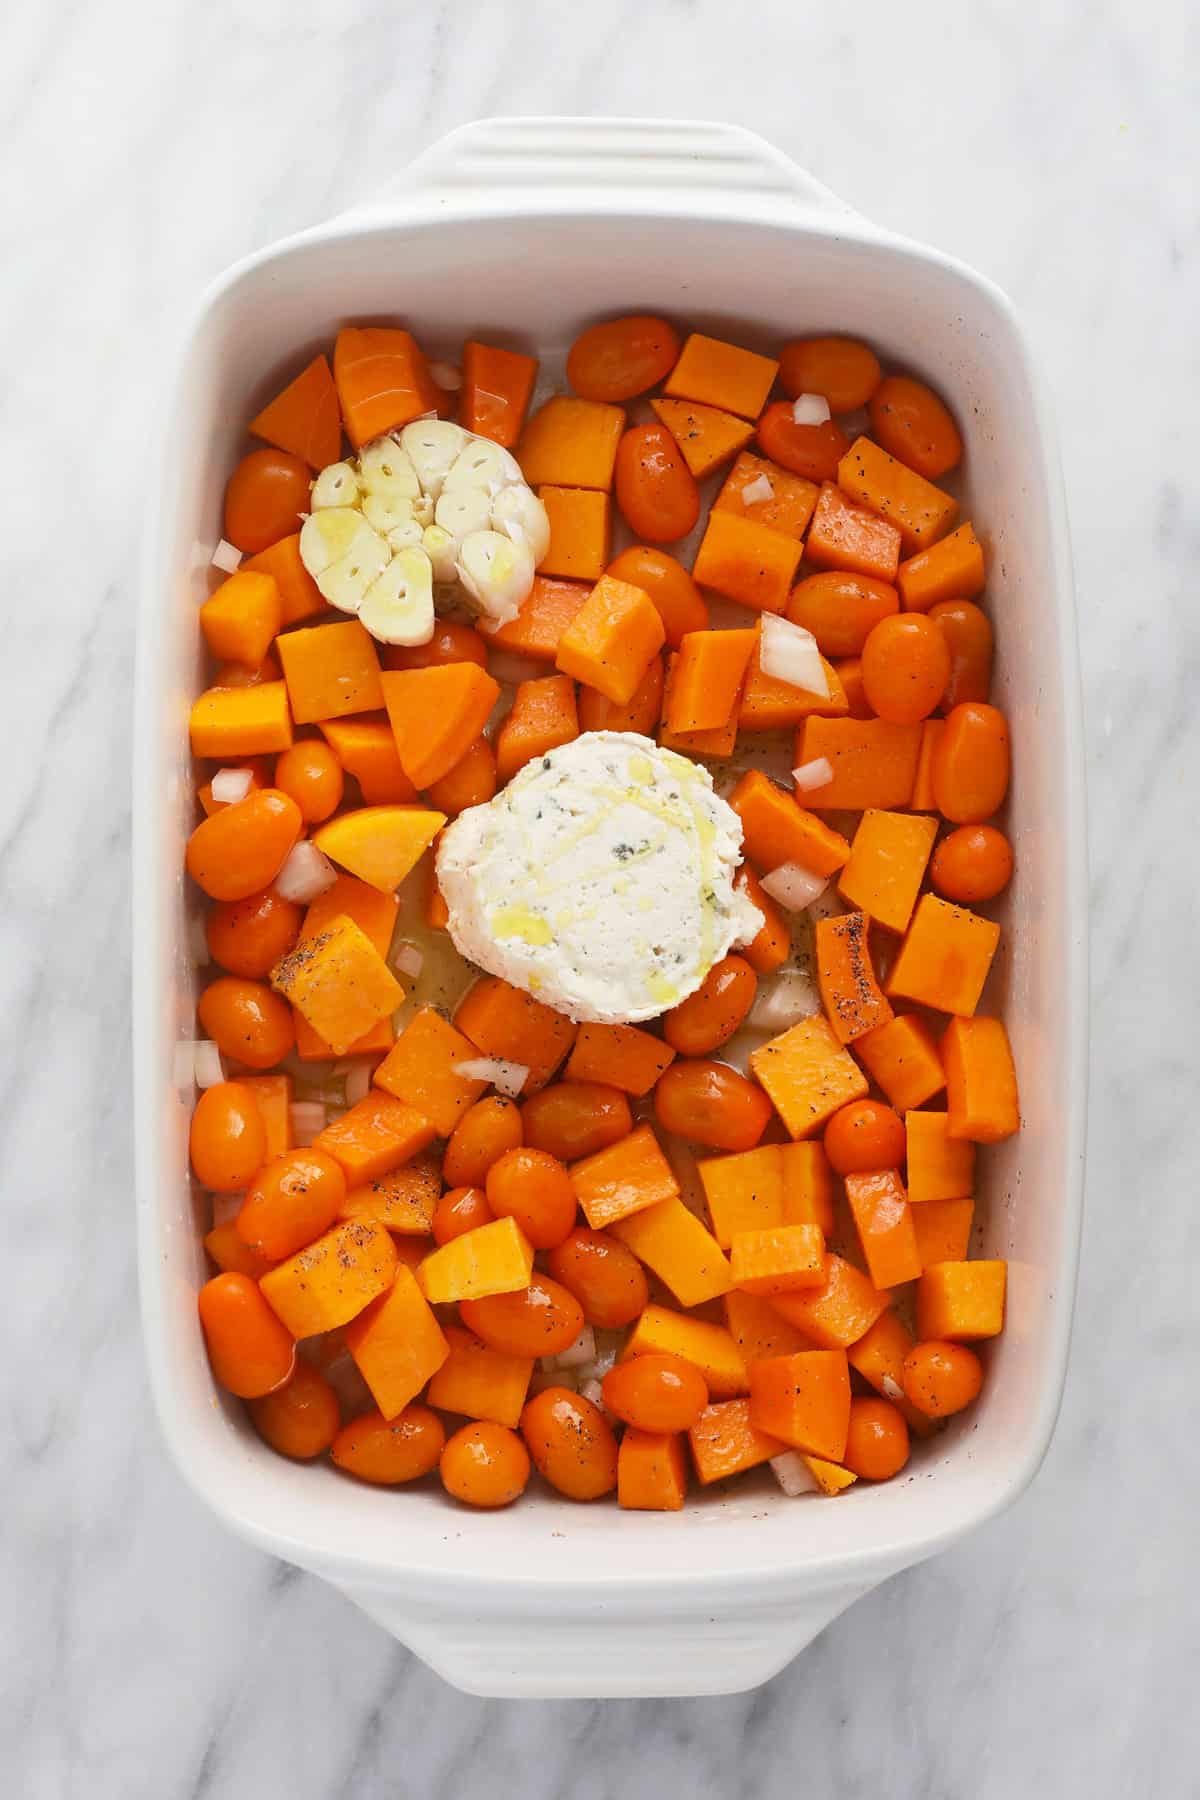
(571, 1443)
(941, 1378)
(534, 1188)
(485, 1464)
(250, 1351)
(264, 499)
(713, 1013)
(291, 1201)
(877, 1442)
(905, 667)
(607, 1279)
(248, 937)
(299, 1420)
(450, 643)
(312, 775)
(485, 1131)
(387, 1452)
(865, 1136)
(841, 609)
(542, 1319)
(460, 1210)
(971, 763)
(246, 1021)
(575, 1118)
(655, 489)
(711, 1104)
(656, 1392)
(678, 600)
(241, 848)
(227, 1141)
(968, 634)
(843, 369)
(813, 451)
(619, 358)
(915, 426)
(973, 863)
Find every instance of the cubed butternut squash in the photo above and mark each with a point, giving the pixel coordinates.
(380, 844)
(958, 1300)
(366, 749)
(304, 418)
(747, 562)
(759, 1329)
(709, 1347)
(708, 679)
(776, 830)
(884, 1221)
(241, 721)
(744, 1191)
(807, 1185)
(544, 716)
(242, 618)
(621, 1056)
(436, 715)
(940, 1167)
(299, 595)
(496, 1258)
(624, 1178)
(902, 1058)
(850, 993)
(681, 1251)
(843, 536)
(330, 670)
(375, 1136)
(382, 380)
(580, 528)
(921, 512)
(836, 1314)
(612, 639)
(651, 1471)
(788, 507)
(888, 854)
(338, 981)
(504, 1021)
(874, 762)
(397, 1344)
(922, 800)
(544, 616)
(571, 443)
(479, 1382)
(706, 435)
(804, 1400)
(943, 1229)
(721, 374)
(779, 1259)
(725, 1442)
(944, 959)
(328, 1283)
(950, 570)
(422, 1070)
(808, 1075)
(404, 1199)
(981, 1083)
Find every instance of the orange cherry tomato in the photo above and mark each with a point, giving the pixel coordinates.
(640, 713)
(460, 1210)
(843, 369)
(655, 489)
(471, 782)
(241, 848)
(770, 949)
(865, 1136)
(841, 610)
(971, 763)
(711, 1104)
(450, 643)
(607, 1279)
(311, 773)
(575, 1118)
(656, 1392)
(914, 426)
(968, 634)
(813, 451)
(242, 675)
(540, 1320)
(246, 1021)
(849, 673)
(533, 1188)
(250, 1351)
(615, 360)
(485, 1464)
(678, 600)
(227, 1141)
(264, 499)
(713, 1013)
(940, 1378)
(248, 937)
(300, 1420)
(485, 1131)
(877, 1442)
(905, 667)
(571, 1443)
(387, 1452)
(290, 1202)
(973, 863)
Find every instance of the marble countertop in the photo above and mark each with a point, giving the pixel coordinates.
(148, 1653)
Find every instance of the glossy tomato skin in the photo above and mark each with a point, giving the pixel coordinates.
(710, 1016)
(264, 499)
(656, 491)
(605, 1277)
(813, 451)
(228, 1142)
(709, 1103)
(571, 1443)
(679, 603)
(621, 358)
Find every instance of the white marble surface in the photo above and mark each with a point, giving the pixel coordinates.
(143, 146)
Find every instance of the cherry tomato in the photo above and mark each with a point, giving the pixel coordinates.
(264, 498)
(655, 489)
(865, 1136)
(770, 949)
(450, 643)
(973, 863)
(471, 782)
(968, 634)
(300, 1420)
(656, 1392)
(571, 1443)
(387, 1452)
(575, 1118)
(541, 1320)
(607, 1279)
(241, 848)
(485, 1464)
(914, 426)
(246, 1021)
(877, 1442)
(228, 1141)
(460, 1210)
(311, 773)
(711, 1104)
(291, 1201)
(905, 667)
(971, 763)
(248, 937)
(533, 1188)
(250, 1351)
(679, 602)
(841, 609)
(713, 1013)
(640, 713)
(844, 370)
(615, 360)
(813, 451)
(940, 1378)
(485, 1131)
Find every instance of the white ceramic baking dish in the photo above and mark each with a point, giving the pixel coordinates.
(532, 227)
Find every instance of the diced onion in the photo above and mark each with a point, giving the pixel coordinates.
(599, 1366)
(208, 1065)
(227, 557)
(407, 959)
(827, 905)
(306, 873)
(814, 774)
(789, 653)
(447, 375)
(783, 1001)
(794, 887)
(231, 785)
(592, 1390)
(810, 409)
(758, 489)
(791, 1472)
(576, 1355)
(358, 1083)
(545, 1376)
(225, 1207)
(889, 1386)
(506, 1077)
(308, 1121)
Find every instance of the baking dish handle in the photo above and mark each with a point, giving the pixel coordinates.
(692, 165)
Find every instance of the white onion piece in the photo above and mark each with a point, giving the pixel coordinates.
(231, 785)
(506, 1077)
(758, 489)
(889, 1386)
(789, 653)
(782, 1002)
(545, 1376)
(814, 774)
(447, 375)
(210, 1070)
(810, 409)
(308, 1121)
(227, 557)
(791, 1472)
(794, 887)
(576, 1355)
(306, 873)
(358, 1083)
(225, 1207)
(407, 959)
(828, 905)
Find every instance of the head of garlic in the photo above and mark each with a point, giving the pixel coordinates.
(430, 504)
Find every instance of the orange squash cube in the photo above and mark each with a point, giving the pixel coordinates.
(544, 616)
(760, 1329)
(273, 1098)
(375, 1136)
(496, 1258)
(874, 763)
(497, 386)
(943, 1229)
(706, 436)
(241, 619)
(721, 374)
(612, 639)
(404, 1199)
(299, 595)
(838, 1313)
(724, 1442)
(790, 506)
(902, 1058)
(571, 443)
(879, 1355)
(830, 1477)
(621, 1056)
(848, 537)
(707, 679)
(807, 1186)
(776, 830)
(950, 570)
(744, 1191)
(382, 380)
(808, 1075)
(884, 1221)
(504, 1021)
(397, 1344)
(436, 714)
(479, 1382)
(580, 528)
(422, 1070)
(888, 854)
(543, 717)
(769, 704)
(380, 844)
(945, 957)
(981, 1083)
(338, 981)
(304, 418)
(959, 1300)
(681, 1251)
(922, 800)
(804, 1400)
(624, 1178)
(247, 721)
(330, 1282)
(939, 1166)
(779, 1259)
(713, 741)
(330, 670)
(366, 749)
(651, 1471)
(747, 562)
(921, 512)
(709, 1347)
(850, 993)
